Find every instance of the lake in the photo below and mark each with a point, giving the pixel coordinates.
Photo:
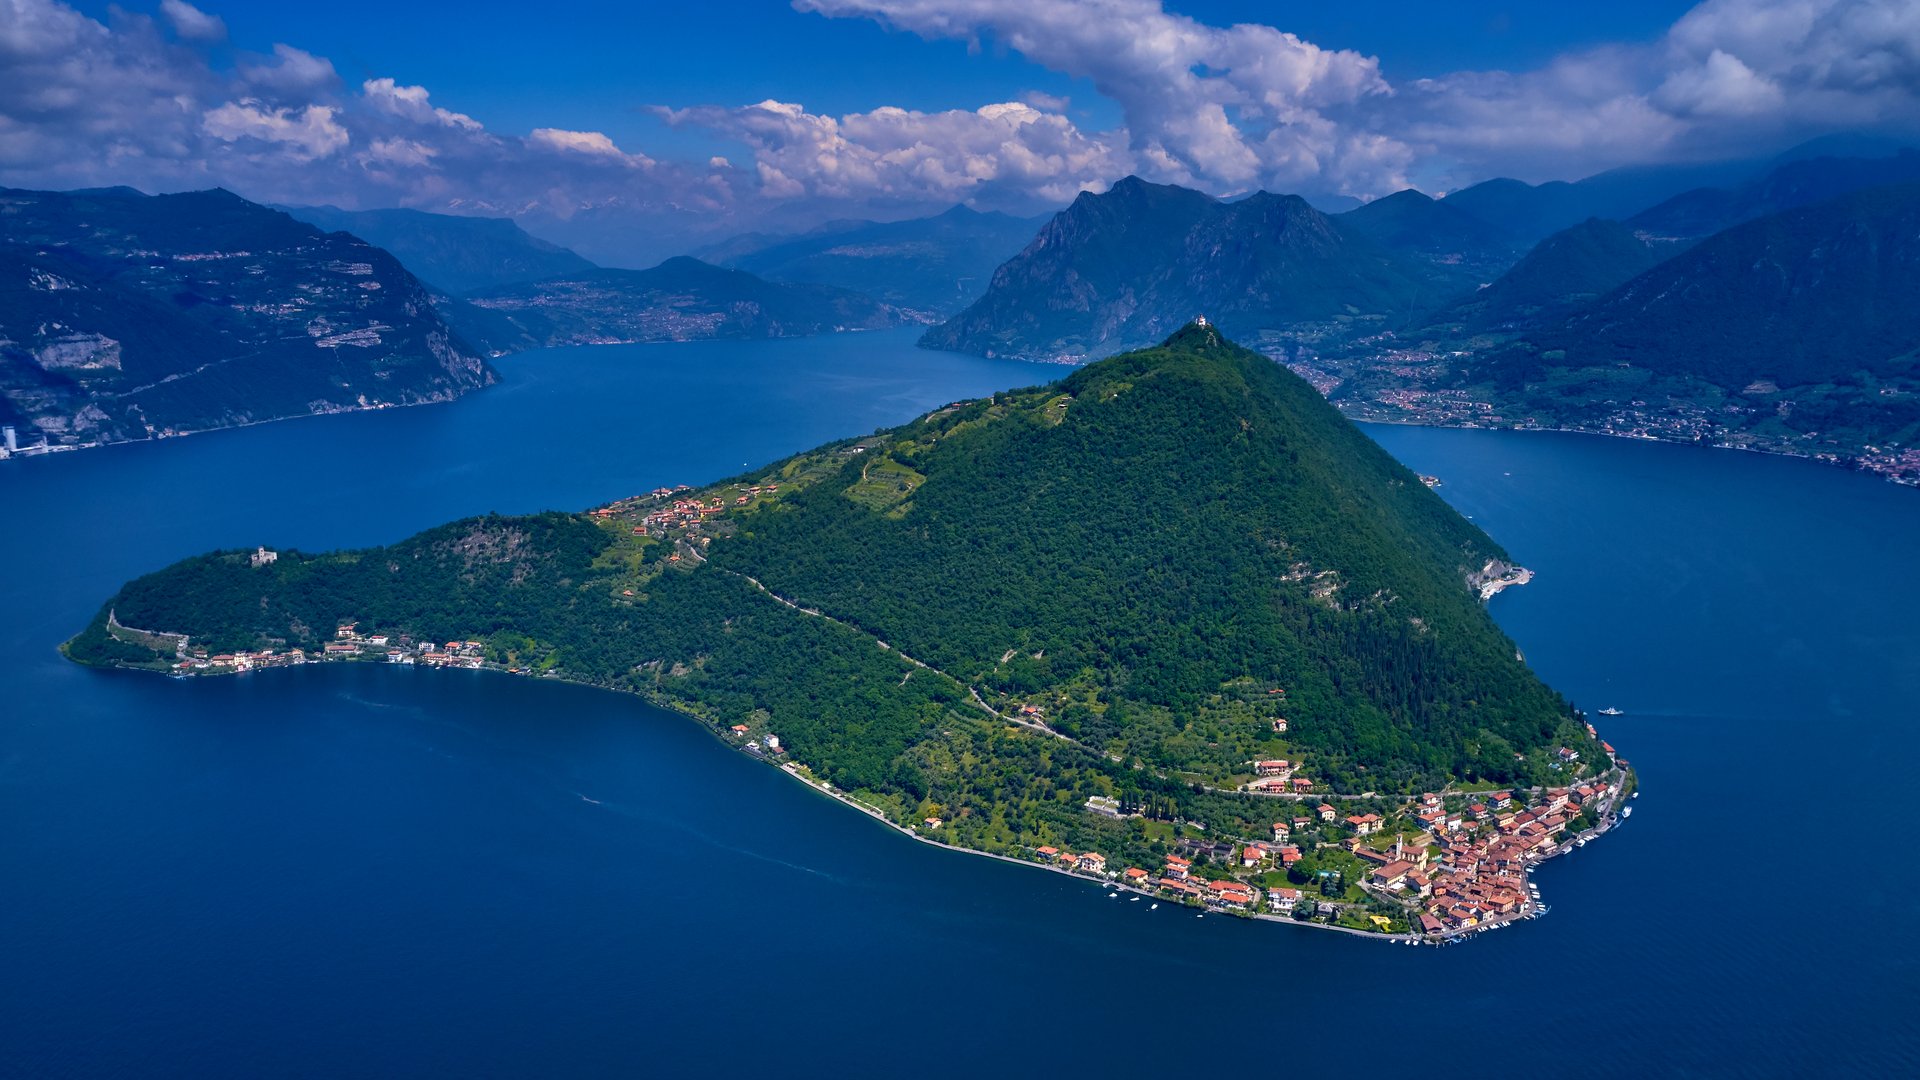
(368, 870)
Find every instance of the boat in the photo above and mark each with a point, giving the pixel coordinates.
(1134, 900)
(1626, 813)
(1111, 895)
(1611, 711)
(1154, 907)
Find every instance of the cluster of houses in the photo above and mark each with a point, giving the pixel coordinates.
(768, 745)
(348, 644)
(1279, 776)
(199, 660)
(1176, 879)
(1480, 873)
(682, 512)
(1466, 868)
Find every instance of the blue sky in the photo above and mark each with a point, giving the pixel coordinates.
(595, 61)
(644, 127)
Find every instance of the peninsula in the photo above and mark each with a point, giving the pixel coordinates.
(1171, 623)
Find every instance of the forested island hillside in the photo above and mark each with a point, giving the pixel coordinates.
(1175, 588)
(128, 316)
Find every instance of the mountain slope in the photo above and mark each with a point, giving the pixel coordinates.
(124, 316)
(682, 299)
(1802, 297)
(1529, 213)
(1132, 265)
(1411, 222)
(936, 264)
(1705, 211)
(1800, 326)
(1562, 272)
(452, 254)
(1158, 555)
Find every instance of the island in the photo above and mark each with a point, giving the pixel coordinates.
(1171, 623)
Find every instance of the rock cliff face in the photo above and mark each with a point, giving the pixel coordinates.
(126, 316)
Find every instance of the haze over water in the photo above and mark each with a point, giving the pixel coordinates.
(359, 870)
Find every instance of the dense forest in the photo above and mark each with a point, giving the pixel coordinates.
(1161, 558)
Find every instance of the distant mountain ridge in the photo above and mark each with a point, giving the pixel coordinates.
(934, 264)
(126, 316)
(1137, 262)
(1441, 232)
(454, 254)
(1565, 270)
(1807, 296)
(682, 299)
(1800, 182)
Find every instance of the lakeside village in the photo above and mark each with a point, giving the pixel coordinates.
(1430, 869)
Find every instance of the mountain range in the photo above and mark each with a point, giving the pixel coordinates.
(682, 299)
(1562, 272)
(1805, 321)
(452, 254)
(935, 264)
(1134, 263)
(128, 316)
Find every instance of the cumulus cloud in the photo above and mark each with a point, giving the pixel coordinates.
(291, 71)
(1046, 102)
(306, 134)
(161, 101)
(591, 143)
(410, 103)
(1226, 107)
(1730, 76)
(895, 153)
(193, 24)
(1232, 107)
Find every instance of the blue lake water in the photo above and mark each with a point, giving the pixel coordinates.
(357, 870)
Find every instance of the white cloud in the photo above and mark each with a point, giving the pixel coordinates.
(1228, 107)
(406, 153)
(307, 133)
(293, 71)
(191, 23)
(161, 101)
(410, 103)
(891, 153)
(1046, 102)
(591, 143)
(1722, 85)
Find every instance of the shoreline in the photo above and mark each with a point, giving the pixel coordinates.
(1849, 463)
(51, 451)
(1532, 909)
